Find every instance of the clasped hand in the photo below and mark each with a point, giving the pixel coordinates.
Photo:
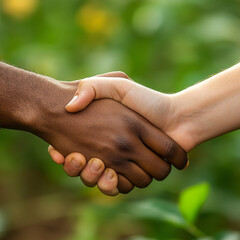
(119, 148)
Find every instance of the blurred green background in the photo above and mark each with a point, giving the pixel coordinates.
(167, 45)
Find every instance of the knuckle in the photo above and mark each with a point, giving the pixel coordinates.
(170, 149)
(122, 74)
(83, 83)
(163, 172)
(145, 181)
(123, 144)
(131, 123)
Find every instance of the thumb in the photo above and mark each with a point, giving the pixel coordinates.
(88, 89)
(96, 88)
(84, 95)
(56, 156)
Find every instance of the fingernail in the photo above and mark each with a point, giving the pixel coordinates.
(73, 100)
(95, 166)
(187, 165)
(76, 163)
(116, 192)
(109, 175)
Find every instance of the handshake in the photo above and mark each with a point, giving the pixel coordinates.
(114, 132)
(124, 149)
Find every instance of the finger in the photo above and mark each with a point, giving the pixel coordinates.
(92, 172)
(84, 95)
(74, 163)
(98, 87)
(86, 91)
(107, 183)
(164, 146)
(124, 186)
(116, 74)
(136, 175)
(56, 156)
(152, 164)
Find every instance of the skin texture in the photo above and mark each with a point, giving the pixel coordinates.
(211, 104)
(76, 164)
(106, 129)
(90, 178)
(118, 139)
(105, 179)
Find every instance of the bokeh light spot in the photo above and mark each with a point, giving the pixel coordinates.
(95, 20)
(19, 8)
(147, 19)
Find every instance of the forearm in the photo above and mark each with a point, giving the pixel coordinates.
(26, 99)
(208, 109)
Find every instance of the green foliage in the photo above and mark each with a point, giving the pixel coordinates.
(141, 238)
(3, 223)
(166, 45)
(158, 209)
(86, 227)
(191, 201)
(223, 236)
(228, 236)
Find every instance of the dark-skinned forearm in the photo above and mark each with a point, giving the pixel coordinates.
(28, 99)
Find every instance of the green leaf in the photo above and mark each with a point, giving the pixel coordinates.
(192, 199)
(224, 236)
(157, 209)
(228, 236)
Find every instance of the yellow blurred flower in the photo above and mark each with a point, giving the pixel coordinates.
(95, 20)
(19, 8)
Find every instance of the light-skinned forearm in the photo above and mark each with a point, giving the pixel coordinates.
(207, 109)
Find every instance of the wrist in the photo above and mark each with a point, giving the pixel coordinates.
(32, 102)
(49, 106)
(182, 125)
(207, 109)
